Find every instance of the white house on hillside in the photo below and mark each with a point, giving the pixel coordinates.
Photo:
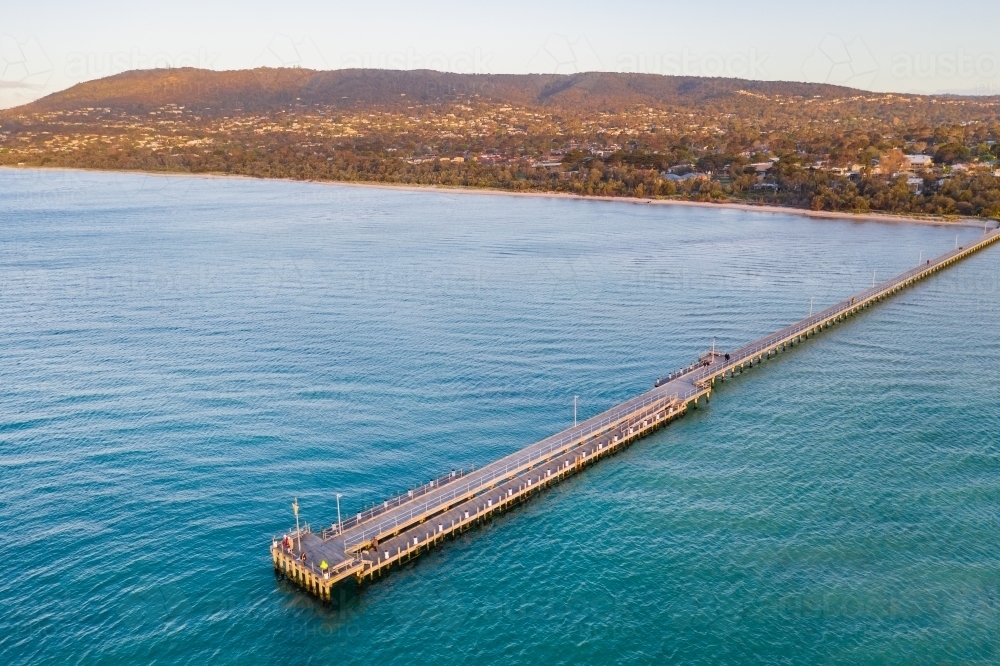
(919, 161)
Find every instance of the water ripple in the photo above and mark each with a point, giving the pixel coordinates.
(183, 356)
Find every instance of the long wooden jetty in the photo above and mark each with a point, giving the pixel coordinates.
(370, 543)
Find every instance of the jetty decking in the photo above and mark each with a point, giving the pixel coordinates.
(369, 543)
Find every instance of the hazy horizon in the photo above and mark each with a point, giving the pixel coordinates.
(46, 47)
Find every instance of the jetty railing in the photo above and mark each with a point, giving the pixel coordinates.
(845, 306)
(392, 503)
(488, 475)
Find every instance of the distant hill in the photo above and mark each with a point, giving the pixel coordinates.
(265, 89)
(602, 134)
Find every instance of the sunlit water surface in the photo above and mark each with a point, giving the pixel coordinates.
(181, 357)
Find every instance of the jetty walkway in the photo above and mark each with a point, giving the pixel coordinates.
(368, 544)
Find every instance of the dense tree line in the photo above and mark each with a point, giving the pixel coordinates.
(620, 175)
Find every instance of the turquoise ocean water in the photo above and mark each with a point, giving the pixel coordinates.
(180, 357)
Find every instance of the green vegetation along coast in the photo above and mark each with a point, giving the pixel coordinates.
(808, 146)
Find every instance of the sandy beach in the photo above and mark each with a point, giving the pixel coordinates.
(782, 210)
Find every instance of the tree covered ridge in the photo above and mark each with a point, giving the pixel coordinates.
(268, 89)
(639, 135)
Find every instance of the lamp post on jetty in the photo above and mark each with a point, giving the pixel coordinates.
(295, 510)
(574, 410)
(339, 523)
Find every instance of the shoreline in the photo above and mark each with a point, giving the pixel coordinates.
(404, 187)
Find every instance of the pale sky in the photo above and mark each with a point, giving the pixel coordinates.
(912, 46)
